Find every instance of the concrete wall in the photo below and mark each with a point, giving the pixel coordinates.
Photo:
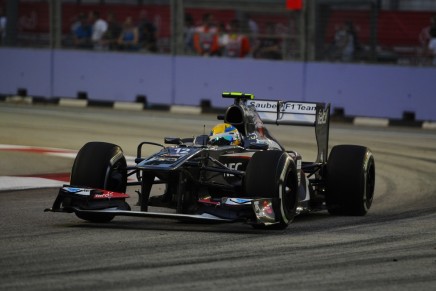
(362, 90)
(29, 69)
(111, 76)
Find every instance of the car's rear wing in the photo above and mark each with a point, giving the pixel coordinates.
(298, 113)
(284, 112)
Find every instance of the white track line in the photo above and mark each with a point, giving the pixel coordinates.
(18, 183)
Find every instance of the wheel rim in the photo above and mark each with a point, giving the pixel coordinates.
(116, 177)
(288, 198)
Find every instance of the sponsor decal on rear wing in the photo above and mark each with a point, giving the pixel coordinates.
(288, 112)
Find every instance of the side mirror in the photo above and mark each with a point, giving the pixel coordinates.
(258, 146)
(173, 140)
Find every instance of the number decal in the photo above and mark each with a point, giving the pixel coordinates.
(181, 151)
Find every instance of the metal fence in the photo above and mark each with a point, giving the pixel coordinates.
(372, 31)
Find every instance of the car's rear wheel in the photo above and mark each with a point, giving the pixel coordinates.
(100, 165)
(350, 180)
(272, 174)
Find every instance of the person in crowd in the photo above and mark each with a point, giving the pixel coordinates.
(99, 27)
(206, 37)
(129, 37)
(223, 33)
(353, 31)
(147, 33)
(235, 44)
(253, 28)
(268, 46)
(344, 42)
(82, 32)
(425, 38)
(2, 26)
(76, 23)
(188, 34)
(113, 32)
(424, 35)
(432, 44)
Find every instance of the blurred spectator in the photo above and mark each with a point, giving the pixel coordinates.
(99, 27)
(113, 32)
(424, 35)
(147, 33)
(2, 26)
(358, 49)
(77, 22)
(188, 34)
(222, 31)
(344, 42)
(235, 44)
(253, 28)
(82, 33)
(74, 26)
(268, 46)
(206, 37)
(252, 25)
(432, 44)
(129, 37)
(424, 39)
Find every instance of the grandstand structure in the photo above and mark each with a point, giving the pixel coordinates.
(388, 31)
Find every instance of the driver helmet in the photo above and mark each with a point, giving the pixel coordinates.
(224, 134)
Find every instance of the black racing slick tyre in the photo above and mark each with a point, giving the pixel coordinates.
(100, 165)
(350, 180)
(272, 174)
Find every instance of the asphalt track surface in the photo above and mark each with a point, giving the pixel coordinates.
(392, 248)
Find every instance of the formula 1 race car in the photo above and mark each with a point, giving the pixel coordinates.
(238, 173)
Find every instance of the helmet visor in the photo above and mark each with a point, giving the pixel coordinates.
(227, 138)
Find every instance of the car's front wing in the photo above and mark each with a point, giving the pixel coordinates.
(81, 200)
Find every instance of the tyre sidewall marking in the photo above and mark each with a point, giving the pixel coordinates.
(366, 161)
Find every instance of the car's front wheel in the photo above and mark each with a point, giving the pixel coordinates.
(103, 166)
(272, 174)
